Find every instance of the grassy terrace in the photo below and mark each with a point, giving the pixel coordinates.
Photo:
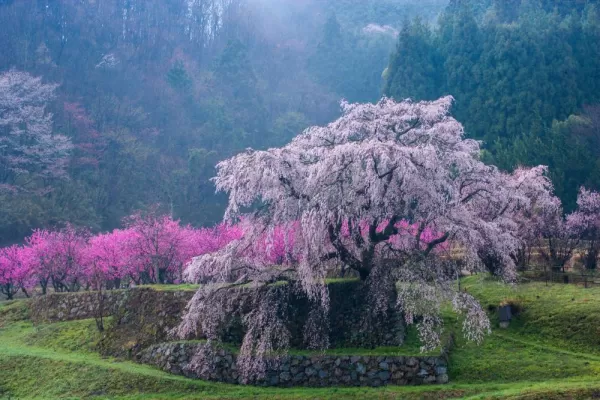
(192, 287)
(550, 351)
(172, 288)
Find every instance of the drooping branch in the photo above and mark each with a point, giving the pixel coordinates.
(342, 252)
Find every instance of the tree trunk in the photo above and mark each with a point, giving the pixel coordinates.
(365, 268)
(364, 273)
(591, 258)
(157, 273)
(100, 310)
(7, 291)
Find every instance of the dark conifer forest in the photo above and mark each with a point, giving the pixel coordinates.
(525, 76)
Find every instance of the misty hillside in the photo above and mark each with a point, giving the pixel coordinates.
(153, 93)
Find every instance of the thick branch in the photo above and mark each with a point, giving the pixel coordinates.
(404, 132)
(293, 192)
(473, 194)
(436, 242)
(389, 230)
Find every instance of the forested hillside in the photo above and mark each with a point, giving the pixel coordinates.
(151, 94)
(526, 78)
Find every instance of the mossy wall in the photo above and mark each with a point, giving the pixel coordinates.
(144, 317)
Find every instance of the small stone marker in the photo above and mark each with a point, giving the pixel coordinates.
(505, 316)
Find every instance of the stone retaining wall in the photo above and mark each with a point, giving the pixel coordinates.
(145, 317)
(58, 307)
(299, 370)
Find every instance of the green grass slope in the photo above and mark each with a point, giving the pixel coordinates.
(548, 352)
(555, 314)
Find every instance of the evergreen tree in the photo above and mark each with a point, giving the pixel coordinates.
(414, 69)
(328, 62)
(461, 53)
(178, 77)
(513, 68)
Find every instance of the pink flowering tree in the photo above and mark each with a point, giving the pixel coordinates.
(59, 257)
(108, 259)
(70, 245)
(156, 246)
(346, 188)
(536, 218)
(555, 237)
(31, 153)
(584, 223)
(42, 257)
(106, 262)
(15, 271)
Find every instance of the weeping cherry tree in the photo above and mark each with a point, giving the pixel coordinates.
(392, 191)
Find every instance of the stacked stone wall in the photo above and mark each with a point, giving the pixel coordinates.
(59, 307)
(304, 370)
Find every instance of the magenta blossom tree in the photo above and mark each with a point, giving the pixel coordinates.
(16, 271)
(106, 262)
(42, 257)
(59, 258)
(108, 258)
(157, 246)
(346, 188)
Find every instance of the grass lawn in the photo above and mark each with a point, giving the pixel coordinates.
(564, 316)
(550, 351)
